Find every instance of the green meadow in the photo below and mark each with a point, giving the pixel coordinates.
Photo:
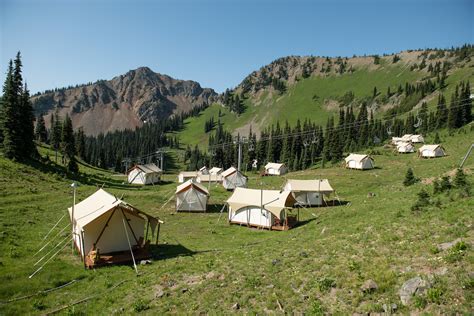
(204, 265)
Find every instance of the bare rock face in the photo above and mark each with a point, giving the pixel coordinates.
(125, 102)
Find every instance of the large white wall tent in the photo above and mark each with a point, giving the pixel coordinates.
(106, 225)
(408, 138)
(431, 151)
(233, 178)
(275, 169)
(403, 147)
(191, 197)
(261, 208)
(186, 175)
(144, 174)
(357, 161)
(417, 139)
(309, 192)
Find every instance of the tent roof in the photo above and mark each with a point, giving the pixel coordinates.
(228, 172)
(273, 200)
(98, 204)
(403, 144)
(148, 168)
(215, 170)
(191, 183)
(189, 173)
(429, 147)
(356, 157)
(317, 185)
(203, 168)
(274, 165)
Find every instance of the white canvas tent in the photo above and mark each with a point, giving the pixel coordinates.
(215, 170)
(431, 151)
(417, 139)
(191, 197)
(277, 169)
(261, 208)
(361, 162)
(203, 170)
(106, 224)
(206, 178)
(309, 192)
(233, 178)
(186, 175)
(404, 147)
(144, 174)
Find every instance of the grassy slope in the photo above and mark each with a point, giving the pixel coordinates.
(370, 238)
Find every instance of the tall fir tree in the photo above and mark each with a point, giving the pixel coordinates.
(41, 134)
(441, 112)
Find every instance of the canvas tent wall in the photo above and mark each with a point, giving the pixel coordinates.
(275, 169)
(203, 170)
(206, 178)
(186, 175)
(103, 221)
(215, 170)
(309, 192)
(259, 208)
(144, 174)
(232, 178)
(191, 197)
(361, 162)
(431, 151)
(403, 147)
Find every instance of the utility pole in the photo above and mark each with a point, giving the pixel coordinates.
(126, 162)
(239, 141)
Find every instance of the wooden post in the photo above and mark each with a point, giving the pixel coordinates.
(83, 250)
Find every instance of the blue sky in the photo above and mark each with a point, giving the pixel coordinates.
(216, 43)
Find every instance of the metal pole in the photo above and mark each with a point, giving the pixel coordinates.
(240, 152)
(161, 160)
(73, 222)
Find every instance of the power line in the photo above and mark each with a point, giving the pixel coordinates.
(312, 132)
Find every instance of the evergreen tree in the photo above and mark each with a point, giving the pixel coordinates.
(460, 179)
(55, 133)
(28, 146)
(81, 146)
(441, 112)
(10, 120)
(68, 146)
(437, 139)
(409, 178)
(466, 104)
(41, 134)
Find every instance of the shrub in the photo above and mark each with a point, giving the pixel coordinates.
(423, 201)
(445, 184)
(456, 252)
(434, 295)
(317, 308)
(140, 306)
(324, 284)
(39, 305)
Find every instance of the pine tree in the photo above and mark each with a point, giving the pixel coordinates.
(437, 139)
(466, 104)
(28, 146)
(81, 144)
(409, 178)
(68, 146)
(460, 179)
(55, 133)
(441, 112)
(41, 134)
(10, 121)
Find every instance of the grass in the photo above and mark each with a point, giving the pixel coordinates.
(307, 98)
(204, 265)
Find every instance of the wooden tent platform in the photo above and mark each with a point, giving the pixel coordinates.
(122, 257)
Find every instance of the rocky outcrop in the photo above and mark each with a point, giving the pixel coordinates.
(125, 102)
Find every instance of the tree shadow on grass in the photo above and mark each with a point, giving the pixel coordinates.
(168, 251)
(215, 208)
